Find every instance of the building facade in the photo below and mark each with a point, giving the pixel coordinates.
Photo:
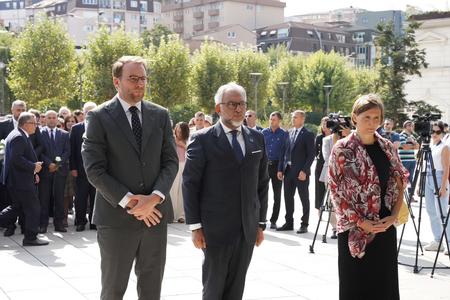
(434, 85)
(13, 14)
(191, 18)
(85, 17)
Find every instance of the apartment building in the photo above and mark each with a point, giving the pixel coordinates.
(191, 18)
(12, 14)
(85, 17)
(348, 14)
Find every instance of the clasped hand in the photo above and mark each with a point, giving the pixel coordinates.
(377, 226)
(143, 208)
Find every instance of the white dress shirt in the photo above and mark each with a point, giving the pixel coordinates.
(126, 108)
(15, 123)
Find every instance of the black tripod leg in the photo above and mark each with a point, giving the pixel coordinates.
(324, 236)
(311, 247)
(444, 234)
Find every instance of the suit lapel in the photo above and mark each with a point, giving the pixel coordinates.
(223, 143)
(147, 123)
(27, 140)
(249, 142)
(119, 117)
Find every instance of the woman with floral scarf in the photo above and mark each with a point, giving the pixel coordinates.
(366, 181)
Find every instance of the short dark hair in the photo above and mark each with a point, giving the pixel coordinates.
(439, 124)
(117, 67)
(76, 114)
(35, 112)
(367, 102)
(199, 114)
(277, 114)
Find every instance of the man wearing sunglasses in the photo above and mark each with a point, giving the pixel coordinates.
(225, 186)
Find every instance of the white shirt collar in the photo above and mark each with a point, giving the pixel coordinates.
(254, 127)
(26, 133)
(15, 122)
(127, 106)
(227, 129)
(298, 129)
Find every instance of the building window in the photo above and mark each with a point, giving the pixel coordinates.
(263, 33)
(133, 4)
(7, 4)
(383, 19)
(14, 5)
(89, 2)
(156, 7)
(231, 34)
(144, 6)
(340, 38)
(214, 18)
(104, 3)
(21, 4)
(310, 33)
(365, 20)
(88, 28)
(283, 32)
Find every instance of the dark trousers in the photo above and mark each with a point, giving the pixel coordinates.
(52, 186)
(410, 166)
(5, 200)
(276, 187)
(28, 203)
(224, 270)
(291, 183)
(83, 191)
(119, 247)
(319, 186)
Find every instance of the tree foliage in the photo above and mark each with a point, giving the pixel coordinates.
(245, 62)
(212, 67)
(157, 34)
(399, 57)
(43, 64)
(277, 53)
(102, 51)
(169, 68)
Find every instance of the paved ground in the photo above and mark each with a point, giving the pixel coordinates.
(282, 268)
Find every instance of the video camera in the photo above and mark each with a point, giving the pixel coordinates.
(422, 123)
(336, 122)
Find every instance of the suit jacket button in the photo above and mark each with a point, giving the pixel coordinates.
(141, 184)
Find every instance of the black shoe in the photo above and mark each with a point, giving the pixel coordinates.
(60, 228)
(333, 235)
(42, 229)
(35, 242)
(22, 230)
(9, 231)
(92, 227)
(273, 226)
(286, 227)
(80, 228)
(303, 229)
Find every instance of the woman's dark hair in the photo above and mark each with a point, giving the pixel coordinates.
(67, 120)
(439, 124)
(77, 113)
(184, 130)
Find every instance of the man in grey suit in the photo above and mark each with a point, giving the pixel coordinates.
(130, 158)
(225, 185)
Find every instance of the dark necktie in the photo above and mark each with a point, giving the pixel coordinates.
(52, 136)
(236, 147)
(136, 125)
(294, 136)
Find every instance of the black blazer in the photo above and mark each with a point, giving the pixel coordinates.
(76, 140)
(50, 152)
(225, 196)
(300, 154)
(18, 172)
(36, 140)
(6, 126)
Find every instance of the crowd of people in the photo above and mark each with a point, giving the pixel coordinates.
(115, 170)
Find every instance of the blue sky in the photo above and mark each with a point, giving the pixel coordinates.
(297, 7)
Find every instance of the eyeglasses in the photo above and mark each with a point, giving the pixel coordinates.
(136, 79)
(436, 131)
(234, 105)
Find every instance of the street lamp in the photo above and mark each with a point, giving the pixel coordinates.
(283, 85)
(256, 77)
(328, 89)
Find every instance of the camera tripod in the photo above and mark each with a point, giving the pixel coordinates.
(328, 207)
(425, 160)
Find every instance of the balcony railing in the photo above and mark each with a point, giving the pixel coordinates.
(198, 14)
(213, 12)
(198, 27)
(212, 25)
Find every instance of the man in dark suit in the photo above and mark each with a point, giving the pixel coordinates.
(295, 168)
(55, 156)
(130, 158)
(250, 120)
(84, 191)
(225, 186)
(6, 126)
(20, 176)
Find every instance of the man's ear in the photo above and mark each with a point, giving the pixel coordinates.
(116, 82)
(217, 108)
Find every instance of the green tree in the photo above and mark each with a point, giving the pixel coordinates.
(421, 107)
(365, 81)
(169, 72)
(43, 64)
(289, 69)
(102, 51)
(326, 69)
(157, 34)
(245, 62)
(212, 67)
(277, 53)
(399, 56)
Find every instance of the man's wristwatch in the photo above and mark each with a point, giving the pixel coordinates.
(262, 226)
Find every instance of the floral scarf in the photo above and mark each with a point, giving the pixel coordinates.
(355, 187)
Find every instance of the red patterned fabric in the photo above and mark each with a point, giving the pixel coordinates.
(355, 187)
